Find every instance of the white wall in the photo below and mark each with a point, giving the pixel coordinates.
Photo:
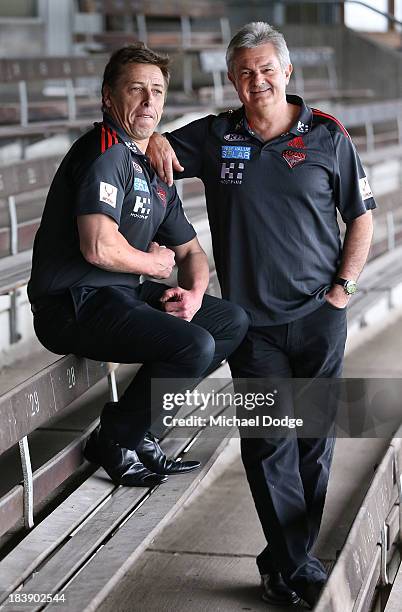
(362, 18)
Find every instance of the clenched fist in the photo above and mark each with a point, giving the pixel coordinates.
(162, 261)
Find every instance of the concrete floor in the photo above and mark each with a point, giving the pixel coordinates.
(204, 560)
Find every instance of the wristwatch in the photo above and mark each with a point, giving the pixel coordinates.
(349, 286)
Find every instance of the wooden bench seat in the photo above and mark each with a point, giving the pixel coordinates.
(363, 564)
(15, 180)
(27, 407)
(395, 598)
(104, 517)
(376, 123)
(14, 271)
(161, 25)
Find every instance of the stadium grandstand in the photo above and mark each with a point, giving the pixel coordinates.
(71, 538)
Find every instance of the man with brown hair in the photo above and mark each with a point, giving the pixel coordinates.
(109, 219)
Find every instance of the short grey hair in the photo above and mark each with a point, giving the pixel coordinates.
(255, 34)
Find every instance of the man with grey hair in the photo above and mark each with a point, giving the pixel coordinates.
(275, 173)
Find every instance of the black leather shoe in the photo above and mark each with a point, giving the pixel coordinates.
(276, 592)
(312, 592)
(121, 464)
(153, 457)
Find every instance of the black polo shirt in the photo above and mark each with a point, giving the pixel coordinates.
(272, 206)
(104, 172)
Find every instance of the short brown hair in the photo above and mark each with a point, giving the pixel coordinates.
(137, 53)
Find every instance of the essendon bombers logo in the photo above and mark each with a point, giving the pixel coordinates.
(162, 195)
(293, 158)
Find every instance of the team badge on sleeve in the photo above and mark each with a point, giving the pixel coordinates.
(108, 193)
(365, 189)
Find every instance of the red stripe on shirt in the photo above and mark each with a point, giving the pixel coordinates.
(114, 136)
(103, 139)
(321, 114)
(109, 138)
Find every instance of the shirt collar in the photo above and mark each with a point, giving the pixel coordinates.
(301, 126)
(122, 134)
(303, 123)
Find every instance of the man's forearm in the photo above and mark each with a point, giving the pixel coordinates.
(115, 254)
(356, 246)
(193, 272)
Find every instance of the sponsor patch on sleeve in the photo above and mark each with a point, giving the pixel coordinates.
(365, 189)
(108, 193)
(235, 152)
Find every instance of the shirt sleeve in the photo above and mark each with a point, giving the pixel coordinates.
(175, 228)
(101, 187)
(353, 194)
(188, 143)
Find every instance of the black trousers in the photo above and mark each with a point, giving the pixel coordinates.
(126, 325)
(288, 476)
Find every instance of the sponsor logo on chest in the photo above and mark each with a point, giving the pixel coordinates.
(235, 152)
(140, 185)
(232, 173)
(235, 137)
(142, 208)
(137, 167)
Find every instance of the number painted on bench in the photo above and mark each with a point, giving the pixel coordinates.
(71, 377)
(33, 403)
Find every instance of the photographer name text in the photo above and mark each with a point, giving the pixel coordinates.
(231, 421)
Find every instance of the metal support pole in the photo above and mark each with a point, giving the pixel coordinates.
(390, 230)
(23, 93)
(225, 30)
(391, 11)
(187, 73)
(142, 28)
(28, 482)
(370, 139)
(114, 395)
(15, 336)
(218, 87)
(12, 213)
(185, 31)
(71, 101)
